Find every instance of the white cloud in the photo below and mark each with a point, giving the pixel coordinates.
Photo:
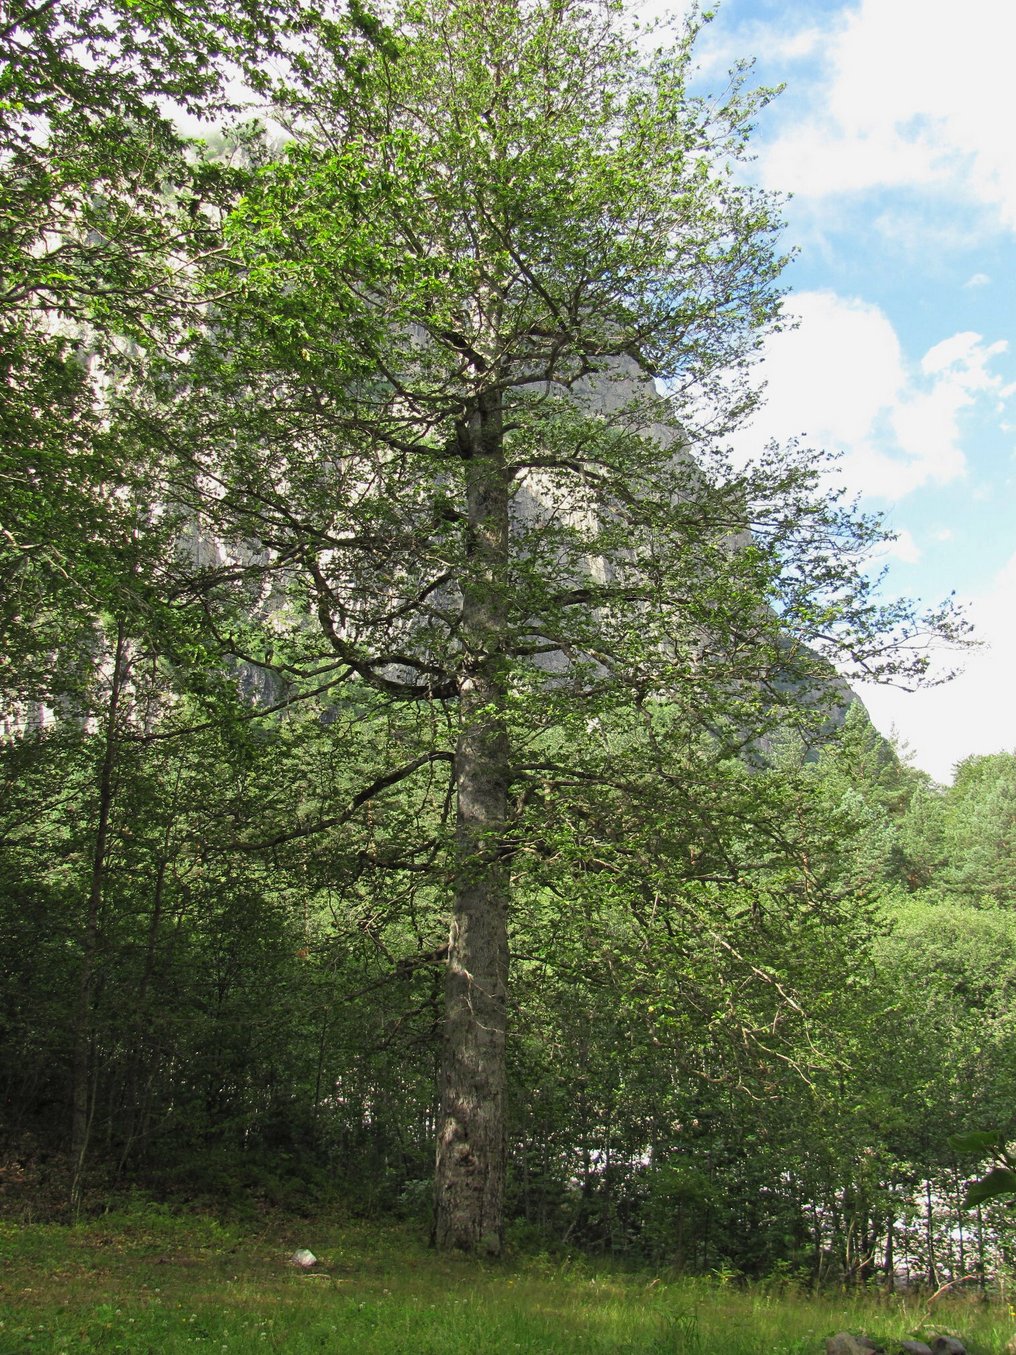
(902, 547)
(911, 226)
(978, 280)
(963, 350)
(841, 382)
(912, 96)
(718, 49)
(975, 712)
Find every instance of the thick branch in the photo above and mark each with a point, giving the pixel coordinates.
(381, 783)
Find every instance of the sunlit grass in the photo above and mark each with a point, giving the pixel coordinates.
(151, 1281)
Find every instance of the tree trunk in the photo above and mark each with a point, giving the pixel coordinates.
(933, 1277)
(471, 1148)
(82, 1094)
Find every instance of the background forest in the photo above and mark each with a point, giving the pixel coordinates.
(299, 703)
(774, 1092)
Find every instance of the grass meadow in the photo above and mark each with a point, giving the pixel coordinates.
(149, 1281)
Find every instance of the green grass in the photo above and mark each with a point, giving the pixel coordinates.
(150, 1282)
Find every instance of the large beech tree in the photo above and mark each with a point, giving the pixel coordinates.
(429, 394)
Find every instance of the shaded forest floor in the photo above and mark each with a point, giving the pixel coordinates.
(148, 1281)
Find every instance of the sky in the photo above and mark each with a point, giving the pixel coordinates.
(894, 136)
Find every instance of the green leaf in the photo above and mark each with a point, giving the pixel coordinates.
(977, 1141)
(999, 1181)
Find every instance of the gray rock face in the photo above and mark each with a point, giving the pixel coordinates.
(914, 1348)
(947, 1345)
(627, 398)
(844, 1343)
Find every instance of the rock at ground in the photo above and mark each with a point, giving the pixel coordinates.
(843, 1343)
(303, 1258)
(947, 1345)
(914, 1348)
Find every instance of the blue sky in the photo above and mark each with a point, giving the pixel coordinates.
(896, 138)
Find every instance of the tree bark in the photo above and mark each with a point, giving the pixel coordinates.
(471, 1145)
